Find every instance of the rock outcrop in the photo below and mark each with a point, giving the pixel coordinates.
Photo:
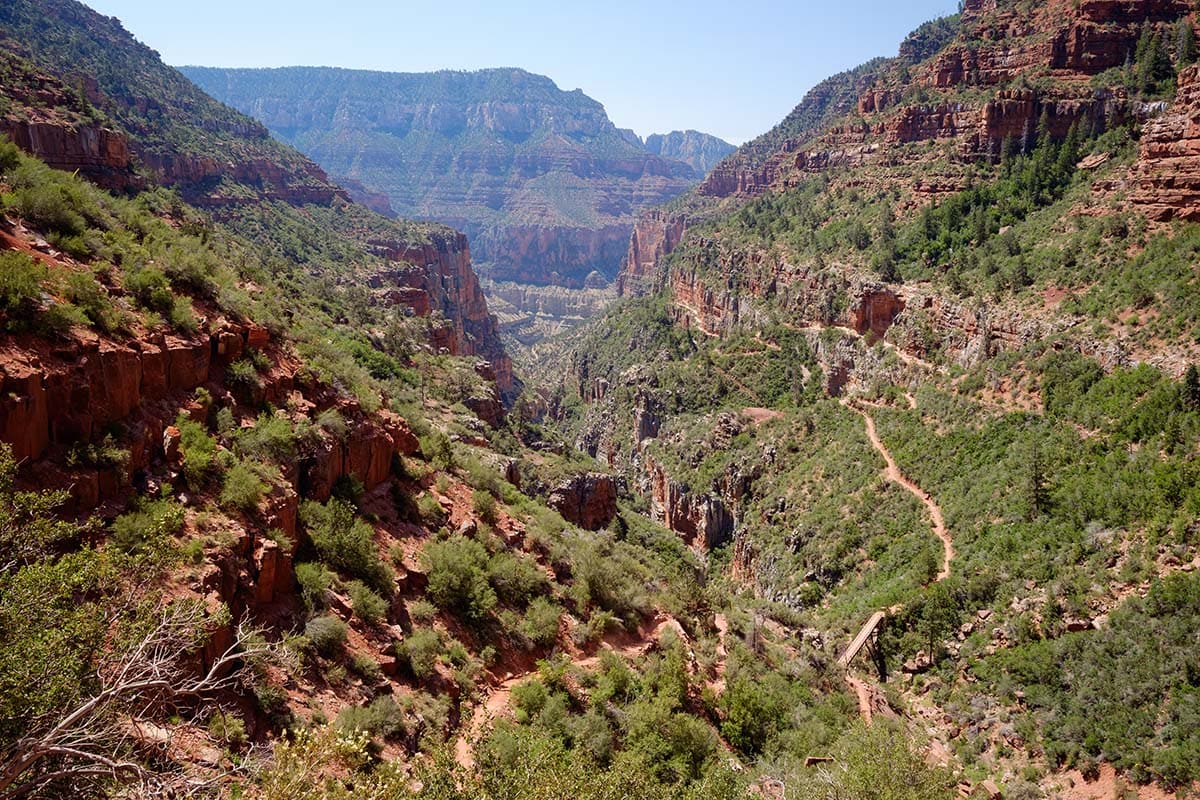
(1166, 178)
(958, 93)
(655, 235)
(436, 276)
(56, 124)
(589, 500)
(701, 519)
(135, 118)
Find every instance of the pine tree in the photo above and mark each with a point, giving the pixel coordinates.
(1036, 493)
(1185, 44)
(1153, 61)
(1191, 388)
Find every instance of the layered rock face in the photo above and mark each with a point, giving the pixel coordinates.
(56, 124)
(1166, 177)
(756, 165)
(913, 318)
(529, 314)
(654, 236)
(961, 95)
(702, 519)
(99, 153)
(83, 94)
(81, 388)
(436, 276)
(540, 180)
(139, 122)
(551, 255)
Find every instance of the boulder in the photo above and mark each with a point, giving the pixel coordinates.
(588, 500)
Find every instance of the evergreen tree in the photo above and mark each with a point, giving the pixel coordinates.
(1036, 493)
(1153, 61)
(1191, 388)
(1185, 44)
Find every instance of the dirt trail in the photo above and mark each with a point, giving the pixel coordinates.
(498, 699)
(863, 693)
(894, 474)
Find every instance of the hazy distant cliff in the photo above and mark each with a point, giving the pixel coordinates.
(540, 179)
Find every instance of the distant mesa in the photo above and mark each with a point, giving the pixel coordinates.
(700, 151)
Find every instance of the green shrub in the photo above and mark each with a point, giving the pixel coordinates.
(82, 290)
(58, 318)
(435, 446)
(10, 156)
(226, 424)
(422, 612)
(48, 206)
(286, 545)
(431, 511)
(516, 579)
(540, 625)
(349, 489)
(243, 378)
(315, 582)
(529, 698)
(243, 488)
(193, 552)
(485, 506)
(199, 451)
(228, 729)
(420, 651)
(458, 581)
(591, 734)
(327, 634)
(383, 717)
(105, 454)
(20, 287)
(368, 606)
(151, 289)
(346, 543)
(332, 422)
(149, 525)
(367, 668)
(272, 438)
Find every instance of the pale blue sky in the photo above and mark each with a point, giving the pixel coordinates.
(733, 69)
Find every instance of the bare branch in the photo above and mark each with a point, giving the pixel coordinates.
(134, 681)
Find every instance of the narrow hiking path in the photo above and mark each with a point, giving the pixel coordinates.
(863, 694)
(497, 701)
(894, 474)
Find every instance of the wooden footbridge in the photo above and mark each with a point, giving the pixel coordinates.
(867, 638)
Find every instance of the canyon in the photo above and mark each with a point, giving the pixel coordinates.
(543, 184)
(878, 324)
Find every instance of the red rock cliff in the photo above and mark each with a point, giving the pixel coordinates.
(437, 276)
(1166, 178)
(654, 236)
